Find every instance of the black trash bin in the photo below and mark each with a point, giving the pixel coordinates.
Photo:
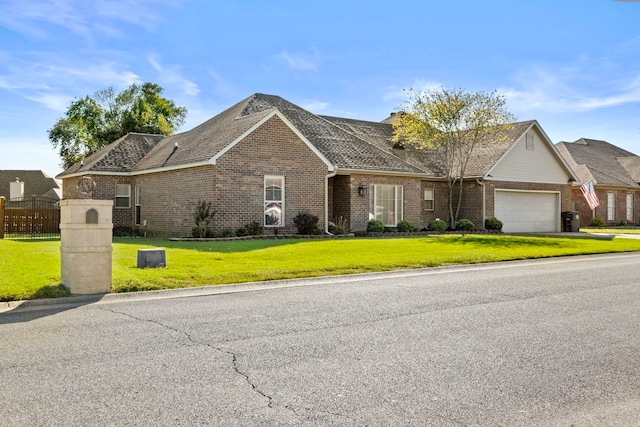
(571, 221)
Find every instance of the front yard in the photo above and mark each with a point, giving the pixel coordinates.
(31, 269)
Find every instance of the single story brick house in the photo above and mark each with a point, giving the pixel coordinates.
(615, 174)
(265, 160)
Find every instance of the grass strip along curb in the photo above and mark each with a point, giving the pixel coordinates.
(31, 269)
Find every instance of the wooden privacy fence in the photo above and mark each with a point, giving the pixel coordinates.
(30, 217)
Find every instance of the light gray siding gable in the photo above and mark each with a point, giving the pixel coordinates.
(532, 158)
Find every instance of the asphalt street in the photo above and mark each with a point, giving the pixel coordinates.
(552, 342)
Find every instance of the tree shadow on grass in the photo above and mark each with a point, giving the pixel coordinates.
(224, 246)
(522, 240)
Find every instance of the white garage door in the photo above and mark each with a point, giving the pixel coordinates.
(527, 212)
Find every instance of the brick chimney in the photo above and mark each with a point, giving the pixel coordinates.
(16, 189)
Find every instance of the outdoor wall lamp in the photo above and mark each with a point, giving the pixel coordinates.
(362, 189)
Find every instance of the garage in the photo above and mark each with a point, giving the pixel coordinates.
(528, 211)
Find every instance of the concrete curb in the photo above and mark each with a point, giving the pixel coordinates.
(79, 300)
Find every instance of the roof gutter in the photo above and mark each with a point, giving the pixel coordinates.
(421, 175)
(133, 173)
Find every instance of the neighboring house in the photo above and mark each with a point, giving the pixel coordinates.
(18, 184)
(265, 160)
(615, 174)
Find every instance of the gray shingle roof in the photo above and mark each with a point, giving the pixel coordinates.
(119, 156)
(608, 164)
(35, 183)
(342, 148)
(346, 143)
(207, 139)
(632, 166)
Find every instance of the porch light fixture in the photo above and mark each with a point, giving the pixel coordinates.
(362, 189)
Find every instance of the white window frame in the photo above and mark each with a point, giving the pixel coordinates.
(136, 197)
(123, 192)
(629, 206)
(377, 204)
(429, 199)
(611, 206)
(270, 201)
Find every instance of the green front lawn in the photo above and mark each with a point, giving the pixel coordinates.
(31, 269)
(612, 230)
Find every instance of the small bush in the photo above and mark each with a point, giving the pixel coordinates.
(339, 226)
(227, 232)
(493, 224)
(122, 231)
(306, 223)
(375, 226)
(251, 229)
(202, 218)
(597, 222)
(437, 225)
(406, 226)
(465, 225)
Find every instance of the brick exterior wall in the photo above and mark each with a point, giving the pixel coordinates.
(234, 186)
(168, 200)
(579, 204)
(105, 189)
(340, 197)
(348, 203)
(470, 207)
(272, 149)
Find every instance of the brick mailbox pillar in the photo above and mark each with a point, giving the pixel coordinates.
(86, 249)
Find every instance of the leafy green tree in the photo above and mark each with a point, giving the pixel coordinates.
(449, 124)
(94, 121)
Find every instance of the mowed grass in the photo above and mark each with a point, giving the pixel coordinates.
(31, 269)
(614, 230)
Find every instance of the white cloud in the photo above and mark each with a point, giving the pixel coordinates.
(315, 106)
(170, 74)
(299, 62)
(48, 72)
(52, 82)
(52, 101)
(588, 85)
(84, 18)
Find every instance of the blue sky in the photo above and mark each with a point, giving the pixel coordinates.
(572, 65)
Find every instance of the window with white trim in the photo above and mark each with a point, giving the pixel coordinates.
(429, 199)
(629, 206)
(273, 201)
(385, 203)
(123, 195)
(136, 197)
(611, 206)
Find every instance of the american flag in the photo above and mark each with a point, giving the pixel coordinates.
(589, 192)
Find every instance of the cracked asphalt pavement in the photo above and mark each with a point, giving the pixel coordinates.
(536, 343)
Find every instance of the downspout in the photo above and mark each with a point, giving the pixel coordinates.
(484, 202)
(326, 200)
